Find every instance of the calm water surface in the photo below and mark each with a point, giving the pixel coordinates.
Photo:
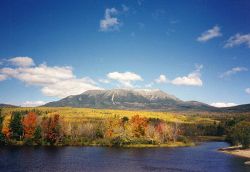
(200, 158)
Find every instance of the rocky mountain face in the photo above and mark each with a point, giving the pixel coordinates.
(130, 99)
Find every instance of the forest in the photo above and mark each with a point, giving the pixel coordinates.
(120, 128)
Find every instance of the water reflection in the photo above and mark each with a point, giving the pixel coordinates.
(200, 158)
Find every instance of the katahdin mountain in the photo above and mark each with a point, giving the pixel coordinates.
(135, 99)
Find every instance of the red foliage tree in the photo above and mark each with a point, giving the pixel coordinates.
(160, 127)
(51, 129)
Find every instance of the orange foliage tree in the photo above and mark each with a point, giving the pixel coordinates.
(139, 125)
(29, 124)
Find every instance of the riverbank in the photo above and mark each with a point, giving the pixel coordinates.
(237, 151)
(139, 145)
(172, 144)
(191, 141)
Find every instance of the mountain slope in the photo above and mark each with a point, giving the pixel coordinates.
(239, 108)
(7, 105)
(130, 99)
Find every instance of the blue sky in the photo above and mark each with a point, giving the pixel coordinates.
(196, 50)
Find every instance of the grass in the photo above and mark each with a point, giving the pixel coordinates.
(172, 144)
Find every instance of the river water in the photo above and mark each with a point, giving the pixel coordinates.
(202, 158)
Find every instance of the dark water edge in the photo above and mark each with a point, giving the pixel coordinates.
(202, 158)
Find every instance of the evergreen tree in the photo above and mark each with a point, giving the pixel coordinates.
(38, 135)
(16, 126)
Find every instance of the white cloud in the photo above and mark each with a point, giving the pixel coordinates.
(54, 81)
(21, 61)
(247, 90)
(193, 79)
(209, 34)
(233, 71)
(33, 103)
(161, 79)
(68, 87)
(110, 22)
(223, 104)
(39, 75)
(238, 39)
(125, 78)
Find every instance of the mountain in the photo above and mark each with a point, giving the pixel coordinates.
(130, 99)
(7, 105)
(240, 108)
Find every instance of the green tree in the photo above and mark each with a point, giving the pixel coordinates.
(241, 134)
(1, 120)
(38, 136)
(16, 126)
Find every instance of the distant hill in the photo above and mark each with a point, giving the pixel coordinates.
(131, 99)
(7, 105)
(240, 108)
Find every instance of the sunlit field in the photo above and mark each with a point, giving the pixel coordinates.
(86, 114)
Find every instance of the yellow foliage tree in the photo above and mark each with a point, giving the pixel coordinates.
(6, 126)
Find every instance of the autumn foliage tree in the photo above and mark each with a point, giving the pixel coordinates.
(29, 125)
(51, 129)
(113, 127)
(6, 126)
(139, 125)
(166, 132)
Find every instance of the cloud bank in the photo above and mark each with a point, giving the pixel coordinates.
(55, 81)
(223, 104)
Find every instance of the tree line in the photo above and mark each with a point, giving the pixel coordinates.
(35, 128)
(29, 128)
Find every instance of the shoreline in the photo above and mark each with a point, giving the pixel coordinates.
(237, 151)
(193, 141)
(171, 144)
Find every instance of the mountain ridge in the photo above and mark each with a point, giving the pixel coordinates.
(2, 105)
(143, 99)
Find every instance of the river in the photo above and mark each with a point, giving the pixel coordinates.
(202, 158)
